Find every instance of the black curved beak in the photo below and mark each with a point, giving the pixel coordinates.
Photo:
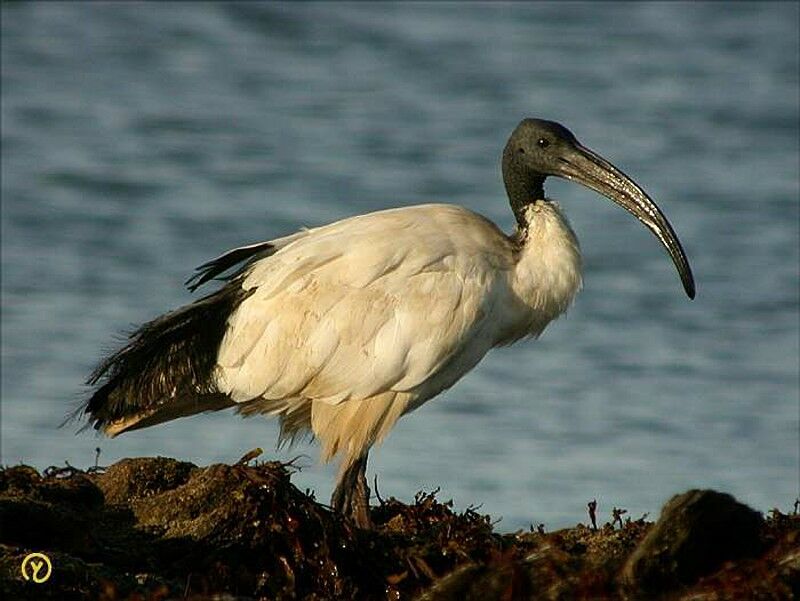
(593, 171)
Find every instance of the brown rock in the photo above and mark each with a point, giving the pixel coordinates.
(697, 531)
(155, 528)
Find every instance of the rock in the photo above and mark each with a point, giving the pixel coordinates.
(145, 477)
(160, 528)
(696, 533)
(157, 528)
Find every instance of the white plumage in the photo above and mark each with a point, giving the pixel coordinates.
(356, 323)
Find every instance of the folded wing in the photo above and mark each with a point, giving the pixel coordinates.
(382, 302)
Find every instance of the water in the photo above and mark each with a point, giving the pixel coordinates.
(140, 140)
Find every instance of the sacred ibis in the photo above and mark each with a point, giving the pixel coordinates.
(340, 330)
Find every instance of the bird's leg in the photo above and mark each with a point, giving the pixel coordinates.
(351, 497)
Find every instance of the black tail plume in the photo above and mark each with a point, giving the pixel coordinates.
(165, 371)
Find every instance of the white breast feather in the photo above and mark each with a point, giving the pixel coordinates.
(547, 275)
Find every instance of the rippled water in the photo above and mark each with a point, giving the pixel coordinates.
(139, 140)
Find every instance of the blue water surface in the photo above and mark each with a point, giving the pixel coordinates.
(140, 140)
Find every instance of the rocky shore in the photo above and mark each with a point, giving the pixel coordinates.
(158, 528)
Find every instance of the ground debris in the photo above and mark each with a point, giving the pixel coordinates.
(158, 528)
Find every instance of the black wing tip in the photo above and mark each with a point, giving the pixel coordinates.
(197, 280)
(208, 271)
(204, 273)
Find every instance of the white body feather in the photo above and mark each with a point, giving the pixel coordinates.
(353, 324)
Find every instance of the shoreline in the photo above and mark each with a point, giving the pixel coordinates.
(159, 528)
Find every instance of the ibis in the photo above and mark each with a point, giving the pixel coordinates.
(342, 329)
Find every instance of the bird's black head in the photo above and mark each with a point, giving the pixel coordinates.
(538, 148)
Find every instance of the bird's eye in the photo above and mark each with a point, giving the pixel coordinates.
(543, 142)
(521, 150)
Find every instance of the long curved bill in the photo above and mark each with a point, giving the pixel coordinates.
(593, 171)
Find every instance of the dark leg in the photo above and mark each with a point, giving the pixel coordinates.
(351, 497)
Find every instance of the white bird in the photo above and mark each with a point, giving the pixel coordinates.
(342, 329)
